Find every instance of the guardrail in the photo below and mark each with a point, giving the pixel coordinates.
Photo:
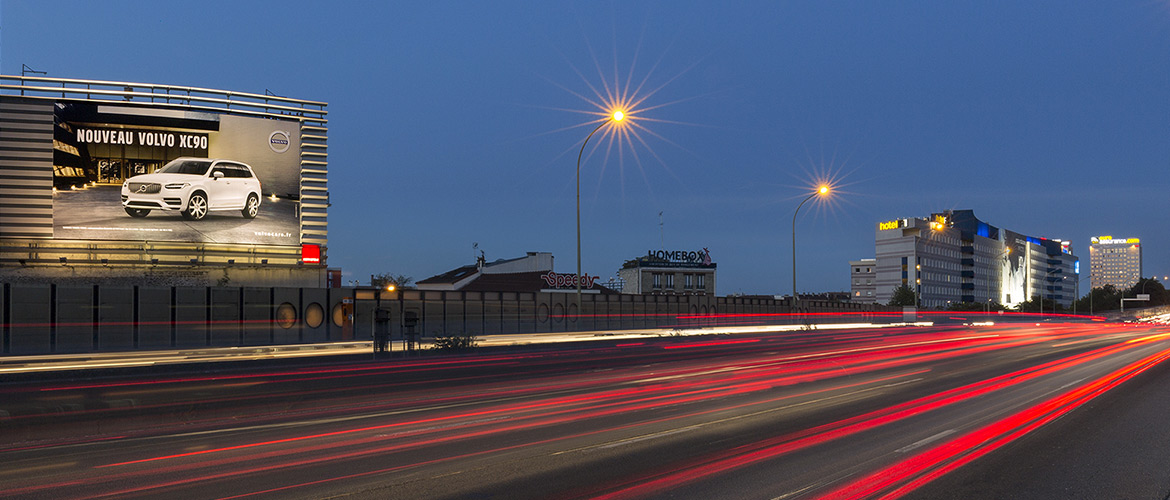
(151, 94)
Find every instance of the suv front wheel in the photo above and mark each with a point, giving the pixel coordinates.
(252, 207)
(196, 207)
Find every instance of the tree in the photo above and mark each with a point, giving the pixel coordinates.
(1038, 304)
(1158, 294)
(904, 296)
(1099, 299)
(399, 281)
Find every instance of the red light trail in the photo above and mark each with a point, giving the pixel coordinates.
(799, 394)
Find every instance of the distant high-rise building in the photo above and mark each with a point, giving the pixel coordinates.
(1114, 261)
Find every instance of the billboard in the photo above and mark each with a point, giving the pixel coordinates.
(124, 172)
(1014, 269)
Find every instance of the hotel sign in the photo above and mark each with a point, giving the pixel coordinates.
(893, 224)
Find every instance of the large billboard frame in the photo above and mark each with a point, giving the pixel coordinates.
(23, 224)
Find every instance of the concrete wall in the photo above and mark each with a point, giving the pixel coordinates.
(444, 313)
(66, 318)
(45, 319)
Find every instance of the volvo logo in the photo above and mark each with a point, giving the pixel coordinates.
(143, 188)
(278, 141)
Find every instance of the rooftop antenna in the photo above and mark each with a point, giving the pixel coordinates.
(661, 232)
(24, 70)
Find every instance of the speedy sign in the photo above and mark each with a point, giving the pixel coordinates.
(556, 280)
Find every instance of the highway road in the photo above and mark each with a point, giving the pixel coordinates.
(1044, 410)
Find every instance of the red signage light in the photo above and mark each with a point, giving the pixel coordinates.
(311, 254)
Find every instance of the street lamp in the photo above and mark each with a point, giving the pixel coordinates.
(616, 117)
(821, 191)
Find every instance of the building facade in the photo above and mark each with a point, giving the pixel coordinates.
(863, 281)
(1114, 261)
(953, 257)
(676, 272)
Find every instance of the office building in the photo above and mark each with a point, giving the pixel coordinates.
(953, 257)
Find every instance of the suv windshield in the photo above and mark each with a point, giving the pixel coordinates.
(195, 167)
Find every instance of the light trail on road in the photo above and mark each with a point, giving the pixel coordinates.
(832, 414)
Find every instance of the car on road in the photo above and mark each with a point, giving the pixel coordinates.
(194, 187)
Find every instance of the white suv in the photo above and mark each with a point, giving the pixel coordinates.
(194, 186)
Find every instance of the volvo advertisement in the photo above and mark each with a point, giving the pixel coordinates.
(146, 174)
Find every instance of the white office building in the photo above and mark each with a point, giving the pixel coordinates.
(953, 257)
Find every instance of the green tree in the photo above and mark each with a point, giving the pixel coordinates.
(1106, 298)
(399, 281)
(1158, 294)
(1039, 304)
(904, 296)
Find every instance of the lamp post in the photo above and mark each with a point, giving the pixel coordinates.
(821, 191)
(617, 116)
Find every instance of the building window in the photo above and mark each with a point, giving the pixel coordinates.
(670, 280)
(690, 281)
(657, 280)
(702, 281)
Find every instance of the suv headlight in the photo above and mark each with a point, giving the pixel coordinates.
(178, 185)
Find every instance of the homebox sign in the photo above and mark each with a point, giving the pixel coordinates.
(681, 256)
(150, 138)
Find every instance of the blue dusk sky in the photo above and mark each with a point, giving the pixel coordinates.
(458, 123)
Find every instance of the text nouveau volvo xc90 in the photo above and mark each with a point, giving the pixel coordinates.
(193, 187)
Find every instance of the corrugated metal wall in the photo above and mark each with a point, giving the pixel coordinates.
(26, 168)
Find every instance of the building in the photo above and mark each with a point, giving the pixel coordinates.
(1114, 261)
(677, 272)
(953, 257)
(76, 211)
(863, 281)
(530, 273)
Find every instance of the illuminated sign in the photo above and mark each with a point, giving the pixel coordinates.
(557, 280)
(311, 254)
(681, 256)
(278, 141)
(1109, 240)
(893, 224)
(149, 138)
(102, 152)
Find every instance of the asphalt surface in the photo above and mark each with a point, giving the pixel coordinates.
(1006, 411)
